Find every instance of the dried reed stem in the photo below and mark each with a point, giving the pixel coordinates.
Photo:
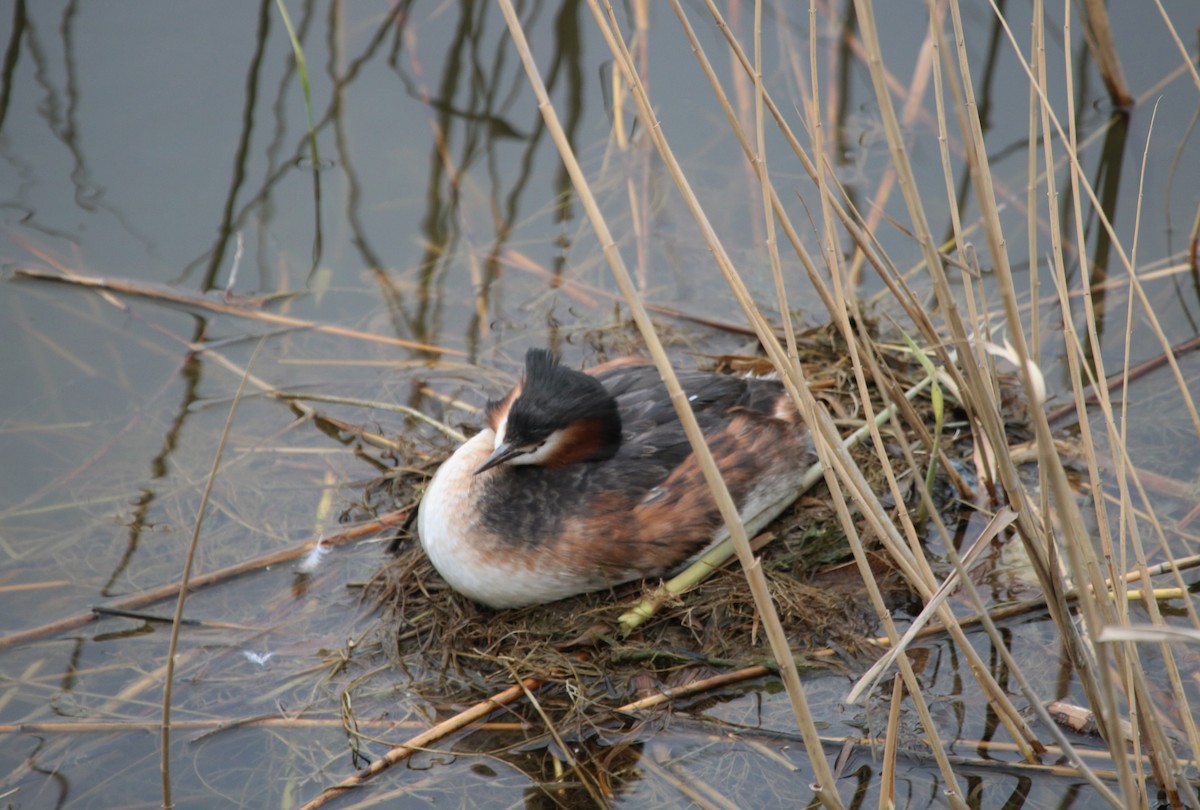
(216, 303)
(402, 752)
(204, 580)
(757, 582)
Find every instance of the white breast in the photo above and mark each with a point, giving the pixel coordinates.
(467, 556)
(444, 518)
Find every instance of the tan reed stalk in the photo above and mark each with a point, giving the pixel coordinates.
(828, 444)
(1011, 712)
(1035, 700)
(845, 213)
(1185, 58)
(1124, 464)
(1080, 185)
(376, 405)
(790, 376)
(217, 725)
(917, 313)
(402, 752)
(735, 126)
(1037, 48)
(994, 423)
(951, 791)
(1096, 684)
(841, 316)
(848, 218)
(913, 96)
(1098, 611)
(984, 414)
(880, 522)
(891, 746)
(760, 165)
(1009, 715)
(1018, 729)
(696, 687)
(698, 794)
(980, 338)
(999, 522)
(827, 791)
(1149, 633)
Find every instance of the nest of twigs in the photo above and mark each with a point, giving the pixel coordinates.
(448, 643)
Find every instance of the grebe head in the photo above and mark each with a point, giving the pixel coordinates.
(553, 417)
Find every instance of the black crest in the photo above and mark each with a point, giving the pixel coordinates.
(554, 396)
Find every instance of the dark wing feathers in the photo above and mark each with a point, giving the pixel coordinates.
(531, 501)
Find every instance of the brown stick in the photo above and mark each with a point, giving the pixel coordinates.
(217, 725)
(402, 752)
(34, 586)
(167, 591)
(1113, 380)
(173, 296)
(724, 679)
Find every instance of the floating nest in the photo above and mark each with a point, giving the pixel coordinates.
(448, 644)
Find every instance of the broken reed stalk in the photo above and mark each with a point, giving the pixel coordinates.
(185, 578)
(565, 750)
(668, 694)
(754, 575)
(423, 740)
(376, 405)
(105, 286)
(999, 523)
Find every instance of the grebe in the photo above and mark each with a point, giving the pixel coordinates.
(581, 481)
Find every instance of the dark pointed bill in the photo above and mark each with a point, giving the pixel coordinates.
(501, 454)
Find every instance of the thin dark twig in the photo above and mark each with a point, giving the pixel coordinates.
(167, 591)
(177, 623)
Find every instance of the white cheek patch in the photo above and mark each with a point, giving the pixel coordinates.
(501, 429)
(543, 452)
